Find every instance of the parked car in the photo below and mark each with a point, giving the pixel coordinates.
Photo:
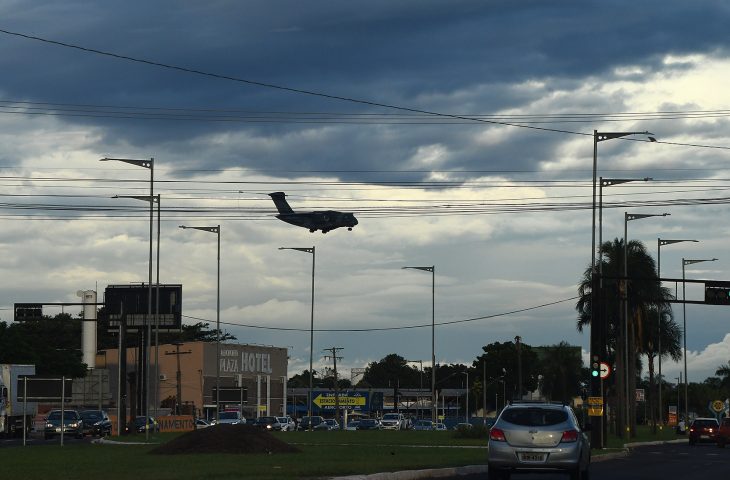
(393, 421)
(232, 418)
(538, 436)
(368, 424)
(267, 423)
(423, 425)
(72, 424)
(200, 423)
(463, 426)
(286, 424)
(703, 430)
(441, 427)
(352, 425)
(328, 424)
(307, 421)
(96, 422)
(723, 434)
(139, 425)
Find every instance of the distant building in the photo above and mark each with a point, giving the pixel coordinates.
(260, 370)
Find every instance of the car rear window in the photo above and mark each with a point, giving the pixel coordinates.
(539, 417)
(705, 423)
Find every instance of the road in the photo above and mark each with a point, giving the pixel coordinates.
(660, 462)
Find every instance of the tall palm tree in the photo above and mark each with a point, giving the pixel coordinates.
(660, 329)
(643, 294)
(723, 371)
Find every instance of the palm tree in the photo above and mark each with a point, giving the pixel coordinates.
(644, 294)
(660, 329)
(723, 371)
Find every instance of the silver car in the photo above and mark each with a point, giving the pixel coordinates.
(538, 437)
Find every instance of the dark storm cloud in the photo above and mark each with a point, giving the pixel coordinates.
(456, 57)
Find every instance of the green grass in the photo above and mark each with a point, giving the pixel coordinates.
(644, 434)
(323, 454)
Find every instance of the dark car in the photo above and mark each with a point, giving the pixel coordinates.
(703, 430)
(72, 424)
(723, 434)
(140, 426)
(369, 424)
(309, 421)
(267, 423)
(96, 422)
(538, 437)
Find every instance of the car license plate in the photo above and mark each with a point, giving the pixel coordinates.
(705, 437)
(532, 457)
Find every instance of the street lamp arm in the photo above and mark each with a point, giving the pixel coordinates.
(663, 242)
(144, 198)
(132, 161)
(204, 229)
(639, 216)
(603, 136)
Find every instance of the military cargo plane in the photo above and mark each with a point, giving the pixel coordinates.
(326, 220)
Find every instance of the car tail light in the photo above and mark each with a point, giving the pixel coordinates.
(570, 436)
(497, 435)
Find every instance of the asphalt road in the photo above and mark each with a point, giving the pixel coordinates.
(658, 462)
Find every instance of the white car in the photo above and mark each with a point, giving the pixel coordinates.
(286, 424)
(393, 421)
(232, 418)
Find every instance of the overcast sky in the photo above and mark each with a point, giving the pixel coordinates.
(458, 132)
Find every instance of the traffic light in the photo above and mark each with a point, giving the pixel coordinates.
(595, 367)
(717, 293)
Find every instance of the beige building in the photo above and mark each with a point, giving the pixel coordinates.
(187, 371)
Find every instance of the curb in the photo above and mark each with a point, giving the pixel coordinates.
(418, 474)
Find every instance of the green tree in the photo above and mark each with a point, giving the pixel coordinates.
(499, 361)
(723, 371)
(561, 369)
(391, 371)
(643, 293)
(52, 344)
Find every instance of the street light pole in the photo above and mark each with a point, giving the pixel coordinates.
(626, 371)
(467, 395)
(660, 242)
(686, 262)
(432, 269)
(311, 332)
(596, 341)
(217, 231)
(149, 164)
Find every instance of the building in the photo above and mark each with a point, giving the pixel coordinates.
(252, 378)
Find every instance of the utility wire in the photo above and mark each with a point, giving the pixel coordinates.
(385, 329)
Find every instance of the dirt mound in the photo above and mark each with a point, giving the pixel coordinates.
(226, 439)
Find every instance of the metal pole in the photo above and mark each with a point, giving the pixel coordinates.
(311, 347)
(145, 409)
(684, 338)
(25, 407)
(157, 315)
(433, 344)
(218, 331)
(659, 332)
(627, 425)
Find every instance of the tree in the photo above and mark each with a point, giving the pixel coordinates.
(561, 369)
(52, 344)
(643, 294)
(499, 361)
(723, 371)
(391, 371)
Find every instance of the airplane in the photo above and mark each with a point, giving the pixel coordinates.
(325, 220)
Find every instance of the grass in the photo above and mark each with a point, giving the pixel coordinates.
(323, 454)
(644, 434)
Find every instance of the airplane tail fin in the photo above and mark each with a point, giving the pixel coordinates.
(279, 199)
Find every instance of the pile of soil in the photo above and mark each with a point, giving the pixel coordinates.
(226, 439)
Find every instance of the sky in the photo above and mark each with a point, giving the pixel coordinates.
(459, 133)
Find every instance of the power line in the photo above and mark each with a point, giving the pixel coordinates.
(384, 329)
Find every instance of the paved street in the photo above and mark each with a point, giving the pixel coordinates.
(660, 462)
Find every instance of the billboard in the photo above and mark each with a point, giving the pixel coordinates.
(358, 401)
(52, 389)
(131, 301)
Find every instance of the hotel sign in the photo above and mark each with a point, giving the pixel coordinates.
(242, 361)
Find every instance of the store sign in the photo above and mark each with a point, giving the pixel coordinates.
(241, 361)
